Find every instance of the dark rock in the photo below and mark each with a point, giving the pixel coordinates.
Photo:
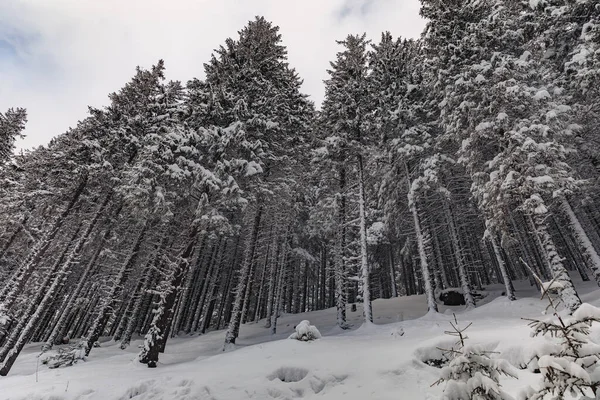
(452, 298)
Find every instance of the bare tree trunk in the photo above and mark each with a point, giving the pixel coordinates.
(462, 272)
(58, 281)
(585, 245)
(236, 314)
(17, 283)
(212, 289)
(364, 261)
(431, 303)
(340, 263)
(510, 290)
(272, 280)
(157, 335)
(279, 292)
(568, 293)
(108, 305)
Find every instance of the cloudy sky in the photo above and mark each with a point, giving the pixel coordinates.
(58, 56)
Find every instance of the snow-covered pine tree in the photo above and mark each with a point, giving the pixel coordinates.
(12, 124)
(343, 115)
(573, 368)
(261, 119)
(471, 373)
(510, 129)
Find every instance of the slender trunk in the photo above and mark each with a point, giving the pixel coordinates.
(585, 245)
(364, 261)
(212, 288)
(258, 308)
(568, 293)
(462, 272)
(12, 237)
(59, 329)
(196, 279)
(236, 314)
(58, 281)
(539, 246)
(112, 298)
(227, 282)
(209, 272)
(20, 278)
(510, 290)
(138, 303)
(157, 335)
(279, 293)
(340, 263)
(272, 280)
(431, 303)
(8, 341)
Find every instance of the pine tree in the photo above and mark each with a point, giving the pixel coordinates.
(572, 368)
(261, 118)
(471, 372)
(343, 115)
(12, 124)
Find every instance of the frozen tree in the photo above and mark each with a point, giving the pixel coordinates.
(12, 123)
(471, 372)
(344, 112)
(573, 367)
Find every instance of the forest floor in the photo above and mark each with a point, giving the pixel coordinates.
(382, 361)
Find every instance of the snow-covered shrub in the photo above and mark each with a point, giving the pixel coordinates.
(305, 332)
(472, 373)
(573, 366)
(435, 355)
(65, 356)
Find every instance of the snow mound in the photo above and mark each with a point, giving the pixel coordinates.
(305, 332)
(435, 355)
(289, 374)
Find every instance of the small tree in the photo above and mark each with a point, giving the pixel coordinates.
(471, 373)
(573, 367)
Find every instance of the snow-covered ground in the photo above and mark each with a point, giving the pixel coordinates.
(384, 361)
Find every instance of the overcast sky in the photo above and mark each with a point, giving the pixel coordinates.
(59, 56)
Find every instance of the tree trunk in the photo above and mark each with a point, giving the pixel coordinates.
(340, 263)
(279, 292)
(462, 272)
(585, 245)
(510, 290)
(60, 326)
(431, 303)
(364, 261)
(272, 280)
(212, 288)
(17, 283)
(112, 298)
(568, 293)
(58, 281)
(156, 337)
(236, 314)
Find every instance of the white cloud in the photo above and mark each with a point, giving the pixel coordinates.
(72, 53)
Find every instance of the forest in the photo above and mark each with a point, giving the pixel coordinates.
(467, 157)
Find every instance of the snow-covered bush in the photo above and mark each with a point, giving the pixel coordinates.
(573, 366)
(472, 373)
(305, 332)
(65, 357)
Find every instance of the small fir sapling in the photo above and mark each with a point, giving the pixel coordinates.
(571, 367)
(471, 373)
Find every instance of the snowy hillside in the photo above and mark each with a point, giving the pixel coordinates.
(384, 361)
